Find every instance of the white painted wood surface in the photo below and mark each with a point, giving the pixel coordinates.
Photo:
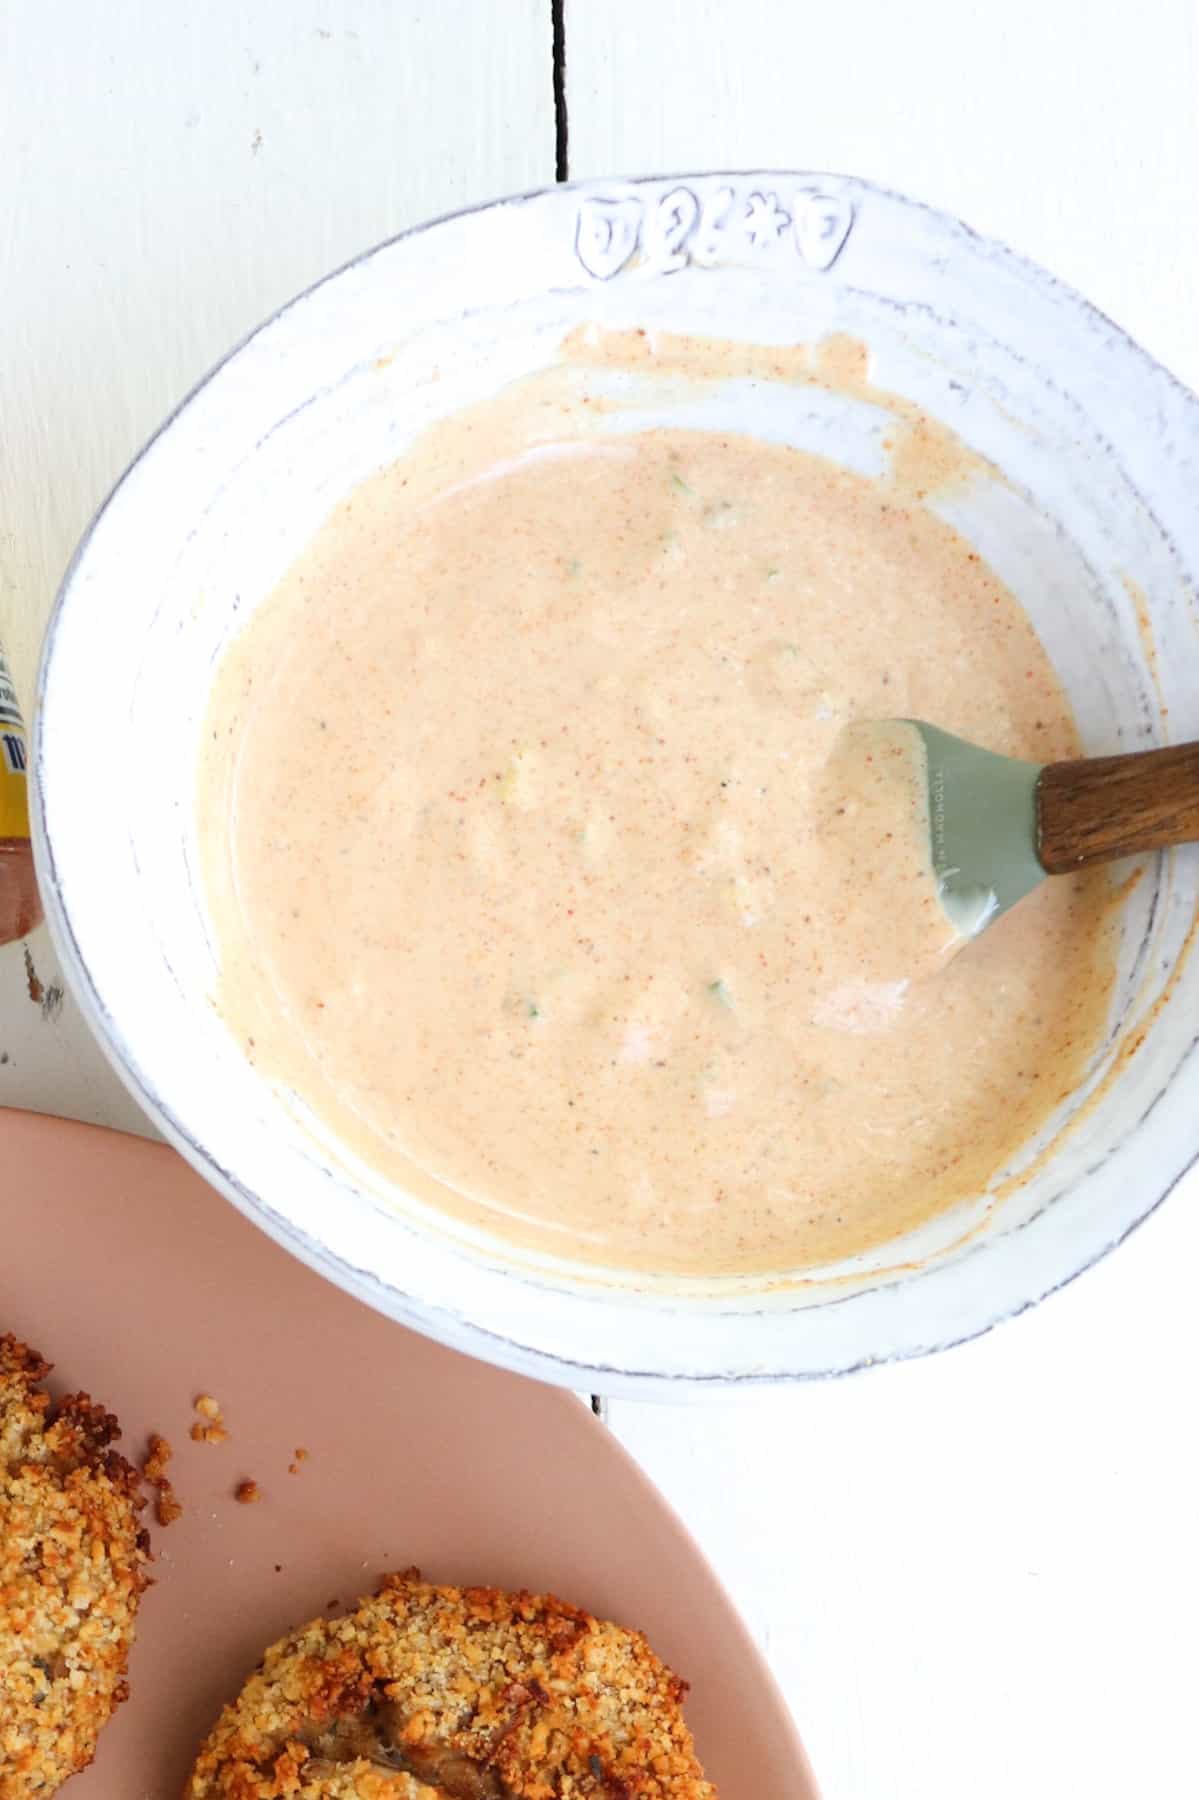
(975, 1576)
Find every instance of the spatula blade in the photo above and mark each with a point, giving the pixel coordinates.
(982, 828)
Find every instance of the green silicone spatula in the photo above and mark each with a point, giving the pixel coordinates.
(997, 826)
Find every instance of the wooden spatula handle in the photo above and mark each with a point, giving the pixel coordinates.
(1096, 810)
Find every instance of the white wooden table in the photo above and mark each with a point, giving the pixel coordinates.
(976, 1576)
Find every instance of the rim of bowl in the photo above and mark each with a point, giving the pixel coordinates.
(429, 1317)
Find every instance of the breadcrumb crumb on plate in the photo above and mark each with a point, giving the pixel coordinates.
(418, 1456)
(167, 1505)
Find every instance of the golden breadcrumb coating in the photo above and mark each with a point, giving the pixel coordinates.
(474, 1693)
(72, 1568)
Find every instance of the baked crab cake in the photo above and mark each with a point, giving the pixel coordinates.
(442, 1693)
(72, 1569)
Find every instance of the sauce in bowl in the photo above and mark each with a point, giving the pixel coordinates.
(534, 870)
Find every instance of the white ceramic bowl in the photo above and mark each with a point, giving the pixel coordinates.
(1100, 450)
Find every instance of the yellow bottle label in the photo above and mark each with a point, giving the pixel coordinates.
(14, 795)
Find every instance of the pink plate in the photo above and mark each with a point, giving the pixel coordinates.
(142, 1286)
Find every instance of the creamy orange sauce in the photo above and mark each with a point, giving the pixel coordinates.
(538, 875)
